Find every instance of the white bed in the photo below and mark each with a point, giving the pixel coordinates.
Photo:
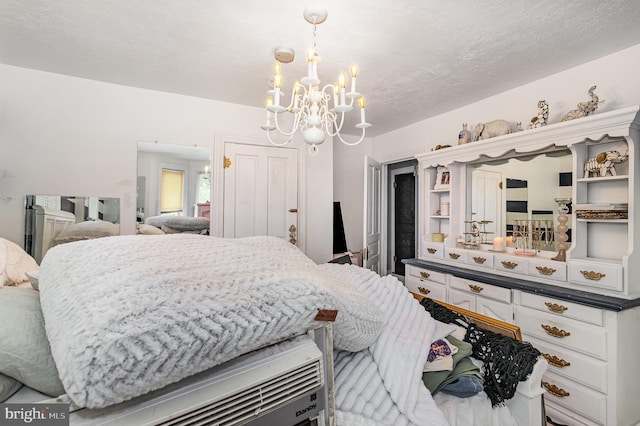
(379, 327)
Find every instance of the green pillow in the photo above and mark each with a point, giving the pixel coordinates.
(8, 387)
(25, 354)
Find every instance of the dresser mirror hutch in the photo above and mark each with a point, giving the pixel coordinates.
(581, 312)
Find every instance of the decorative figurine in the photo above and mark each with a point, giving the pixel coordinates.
(584, 108)
(464, 136)
(603, 163)
(562, 229)
(491, 129)
(542, 117)
(442, 178)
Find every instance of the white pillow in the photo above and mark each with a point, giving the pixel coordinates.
(87, 231)
(179, 223)
(144, 229)
(14, 263)
(34, 278)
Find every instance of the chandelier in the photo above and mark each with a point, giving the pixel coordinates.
(316, 112)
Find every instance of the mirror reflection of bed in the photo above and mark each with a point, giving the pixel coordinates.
(57, 219)
(173, 188)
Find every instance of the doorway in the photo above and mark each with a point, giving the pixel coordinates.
(402, 208)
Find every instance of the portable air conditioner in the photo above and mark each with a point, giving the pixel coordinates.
(286, 384)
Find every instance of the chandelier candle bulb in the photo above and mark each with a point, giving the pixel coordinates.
(354, 74)
(361, 103)
(498, 244)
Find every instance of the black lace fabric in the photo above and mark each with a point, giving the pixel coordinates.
(506, 361)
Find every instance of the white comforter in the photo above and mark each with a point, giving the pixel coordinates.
(126, 315)
(382, 385)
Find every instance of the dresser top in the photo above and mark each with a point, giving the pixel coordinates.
(577, 296)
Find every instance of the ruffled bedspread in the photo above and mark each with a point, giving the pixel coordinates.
(382, 384)
(130, 314)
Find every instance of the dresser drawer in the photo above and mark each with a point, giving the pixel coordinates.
(454, 255)
(481, 289)
(494, 309)
(572, 365)
(589, 403)
(562, 416)
(425, 274)
(479, 258)
(596, 274)
(564, 332)
(426, 288)
(562, 308)
(551, 270)
(515, 264)
(433, 250)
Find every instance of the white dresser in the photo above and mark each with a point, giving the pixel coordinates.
(579, 304)
(591, 342)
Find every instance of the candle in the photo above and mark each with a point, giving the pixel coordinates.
(361, 103)
(498, 244)
(509, 241)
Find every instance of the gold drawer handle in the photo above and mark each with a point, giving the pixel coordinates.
(432, 250)
(479, 259)
(454, 255)
(509, 265)
(425, 274)
(555, 331)
(475, 288)
(554, 390)
(554, 307)
(593, 275)
(554, 360)
(424, 290)
(544, 270)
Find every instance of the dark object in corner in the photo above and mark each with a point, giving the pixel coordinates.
(342, 260)
(339, 239)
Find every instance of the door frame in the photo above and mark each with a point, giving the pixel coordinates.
(384, 255)
(217, 187)
(390, 207)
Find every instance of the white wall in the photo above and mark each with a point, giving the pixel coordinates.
(616, 77)
(348, 188)
(61, 134)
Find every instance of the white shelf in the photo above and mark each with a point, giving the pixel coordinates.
(621, 221)
(439, 191)
(435, 216)
(603, 178)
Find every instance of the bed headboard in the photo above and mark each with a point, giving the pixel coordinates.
(482, 321)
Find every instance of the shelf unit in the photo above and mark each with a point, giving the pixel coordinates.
(595, 243)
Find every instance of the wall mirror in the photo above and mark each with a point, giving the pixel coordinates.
(57, 219)
(518, 190)
(173, 180)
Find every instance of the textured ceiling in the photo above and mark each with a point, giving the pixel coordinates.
(417, 58)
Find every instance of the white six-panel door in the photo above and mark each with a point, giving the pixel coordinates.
(372, 215)
(260, 191)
